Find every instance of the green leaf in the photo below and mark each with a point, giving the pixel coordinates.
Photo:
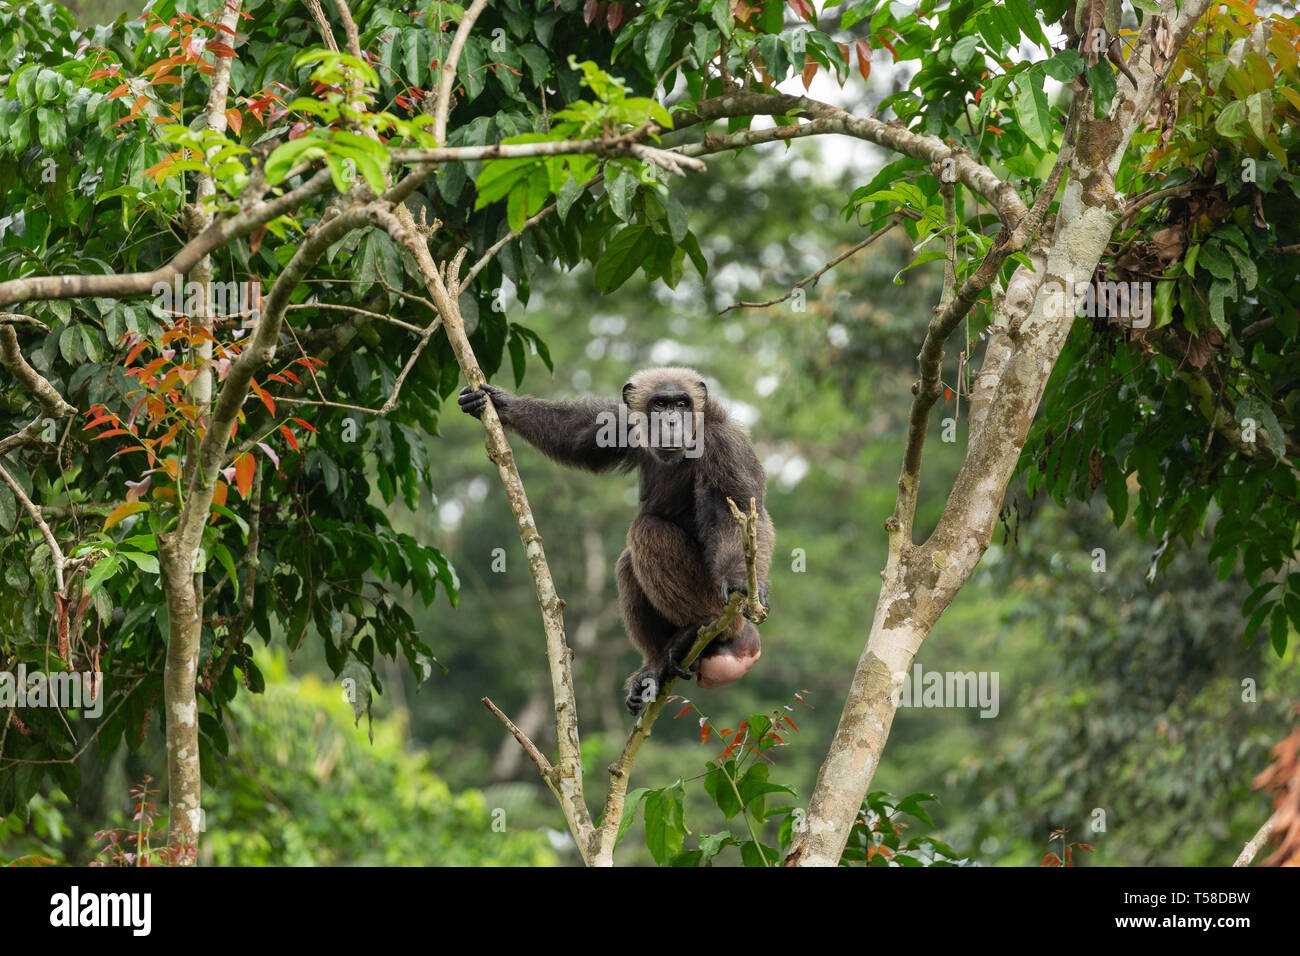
(1101, 80)
(223, 555)
(8, 508)
(1116, 493)
(1245, 267)
(1065, 66)
(1278, 630)
(966, 51)
(623, 256)
(499, 177)
(911, 804)
(929, 255)
(620, 190)
(51, 129)
(752, 855)
(630, 803)
(1213, 259)
(1164, 303)
(692, 247)
(1267, 426)
(1228, 123)
(665, 825)
(1259, 113)
(101, 572)
(145, 562)
(566, 197)
(677, 221)
(711, 845)
(658, 43)
(718, 786)
(538, 62)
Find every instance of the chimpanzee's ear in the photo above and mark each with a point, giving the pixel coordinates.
(704, 390)
(627, 394)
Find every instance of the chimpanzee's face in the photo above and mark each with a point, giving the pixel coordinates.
(672, 423)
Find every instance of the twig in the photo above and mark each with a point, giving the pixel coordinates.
(543, 765)
(322, 24)
(1256, 842)
(894, 219)
(447, 73)
(602, 849)
(56, 553)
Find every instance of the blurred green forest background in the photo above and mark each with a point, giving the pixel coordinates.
(1130, 711)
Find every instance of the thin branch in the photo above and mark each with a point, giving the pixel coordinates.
(17, 318)
(330, 306)
(612, 147)
(56, 553)
(543, 765)
(322, 24)
(51, 402)
(447, 72)
(825, 118)
(516, 233)
(221, 231)
(1149, 197)
(444, 287)
(603, 840)
(1256, 842)
(894, 219)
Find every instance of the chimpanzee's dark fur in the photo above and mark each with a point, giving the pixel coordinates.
(684, 553)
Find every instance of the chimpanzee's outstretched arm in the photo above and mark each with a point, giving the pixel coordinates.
(582, 433)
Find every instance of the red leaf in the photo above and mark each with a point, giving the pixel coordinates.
(235, 119)
(589, 11)
(864, 59)
(134, 354)
(262, 393)
(804, 9)
(682, 711)
(244, 467)
(220, 49)
(305, 425)
(288, 436)
(809, 71)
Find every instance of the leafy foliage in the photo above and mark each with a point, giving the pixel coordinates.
(1190, 423)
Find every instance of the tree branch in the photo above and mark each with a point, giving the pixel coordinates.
(894, 219)
(603, 840)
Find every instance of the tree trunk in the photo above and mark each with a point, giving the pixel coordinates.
(185, 624)
(921, 581)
